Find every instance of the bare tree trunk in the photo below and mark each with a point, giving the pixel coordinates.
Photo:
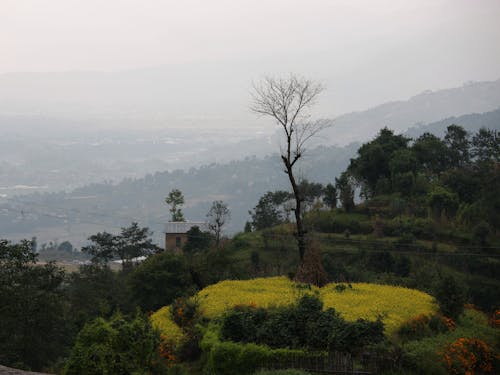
(300, 233)
(287, 102)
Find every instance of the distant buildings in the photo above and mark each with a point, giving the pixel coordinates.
(176, 233)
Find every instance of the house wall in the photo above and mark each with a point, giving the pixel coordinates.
(175, 241)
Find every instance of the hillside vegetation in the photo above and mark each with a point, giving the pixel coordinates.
(393, 304)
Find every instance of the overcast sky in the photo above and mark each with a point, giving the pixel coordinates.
(391, 49)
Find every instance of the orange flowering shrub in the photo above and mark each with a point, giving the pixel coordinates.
(166, 351)
(495, 319)
(448, 322)
(184, 311)
(425, 325)
(469, 356)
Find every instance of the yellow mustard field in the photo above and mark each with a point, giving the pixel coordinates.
(161, 320)
(394, 304)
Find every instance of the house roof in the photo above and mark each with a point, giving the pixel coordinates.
(184, 226)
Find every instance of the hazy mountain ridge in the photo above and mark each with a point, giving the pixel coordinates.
(72, 153)
(427, 107)
(78, 162)
(86, 210)
(472, 122)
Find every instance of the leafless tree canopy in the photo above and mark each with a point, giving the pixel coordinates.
(287, 101)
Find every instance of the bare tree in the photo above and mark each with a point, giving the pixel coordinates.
(287, 101)
(218, 216)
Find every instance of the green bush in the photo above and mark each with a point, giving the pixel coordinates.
(242, 323)
(184, 311)
(450, 296)
(305, 325)
(228, 358)
(159, 280)
(423, 356)
(333, 222)
(280, 329)
(422, 326)
(418, 227)
(231, 358)
(117, 346)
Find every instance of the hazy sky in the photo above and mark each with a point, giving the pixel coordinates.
(391, 49)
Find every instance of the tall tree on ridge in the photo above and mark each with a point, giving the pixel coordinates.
(287, 101)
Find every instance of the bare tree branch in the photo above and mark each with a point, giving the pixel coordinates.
(287, 102)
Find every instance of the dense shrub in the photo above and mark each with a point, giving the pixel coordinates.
(305, 325)
(243, 322)
(159, 280)
(450, 296)
(425, 356)
(418, 227)
(469, 356)
(228, 358)
(381, 261)
(117, 346)
(333, 222)
(184, 312)
(423, 326)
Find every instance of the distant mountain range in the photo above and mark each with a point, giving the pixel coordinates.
(49, 143)
(204, 97)
(425, 108)
(471, 122)
(77, 214)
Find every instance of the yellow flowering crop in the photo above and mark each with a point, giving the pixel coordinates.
(394, 304)
(161, 320)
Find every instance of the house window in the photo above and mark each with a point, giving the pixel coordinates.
(177, 242)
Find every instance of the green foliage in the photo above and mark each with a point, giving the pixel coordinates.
(184, 312)
(450, 296)
(218, 216)
(310, 192)
(197, 240)
(423, 326)
(248, 227)
(345, 187)
(480, 233)
(330, 196)
(159, 280)
(302, 326)
(117, 346)
(231, 358)
(271, 209)
(422, 356)
(442, 202)
(225, 357)
(457, 141)
(33, 329)
(418, 227)
(374, 157)
(486, 146)
(381, 261)
(96, 291)
(175, 199)
(132, 242)
(336, 222)
(431, 154)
